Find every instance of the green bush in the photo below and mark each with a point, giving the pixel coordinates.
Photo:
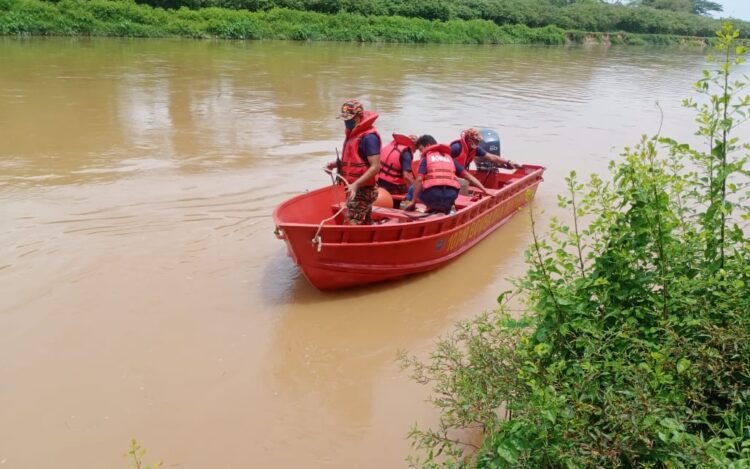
(475, 22)
(636, 348)
(636, 40)
(578, 15)
(126, 18)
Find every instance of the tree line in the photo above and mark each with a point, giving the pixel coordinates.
(681, 17)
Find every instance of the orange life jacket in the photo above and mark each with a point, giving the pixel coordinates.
(352, 165)
(467, 153)
(390, 160)
(441, 170)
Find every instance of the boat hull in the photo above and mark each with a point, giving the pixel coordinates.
(346, 256)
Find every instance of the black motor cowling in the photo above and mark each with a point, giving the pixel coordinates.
(491, 144)
(490, 141)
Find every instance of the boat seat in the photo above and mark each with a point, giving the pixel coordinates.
(463, 201)
(378, 213)
(384, 215)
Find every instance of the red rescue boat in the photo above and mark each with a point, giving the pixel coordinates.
(332, 255)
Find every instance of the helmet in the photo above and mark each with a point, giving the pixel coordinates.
(472, 135)
(350, 109)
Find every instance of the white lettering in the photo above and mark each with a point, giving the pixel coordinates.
(440, 158)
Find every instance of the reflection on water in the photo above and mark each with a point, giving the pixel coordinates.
(108, 107)
(142, 292)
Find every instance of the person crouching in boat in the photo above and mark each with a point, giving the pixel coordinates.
(360, 161)
(466, 149)
(395, 165)
(437, 183)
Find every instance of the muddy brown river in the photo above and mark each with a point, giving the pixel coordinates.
(142, 292)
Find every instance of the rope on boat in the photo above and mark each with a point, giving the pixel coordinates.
(317, 240)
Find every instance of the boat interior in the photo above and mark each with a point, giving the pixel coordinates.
(329, 204)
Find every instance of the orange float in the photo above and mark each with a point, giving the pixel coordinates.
(384, 199)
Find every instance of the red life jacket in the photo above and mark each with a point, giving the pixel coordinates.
(441, 169)
(467, 153)
(390, 160)
(352, 165)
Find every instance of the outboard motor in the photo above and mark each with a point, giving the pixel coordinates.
(491, 144)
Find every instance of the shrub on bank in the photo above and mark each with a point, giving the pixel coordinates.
(126, 18)
(580, 15)
(129, 19)
(636, 348)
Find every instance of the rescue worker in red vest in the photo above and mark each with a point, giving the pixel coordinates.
(395, 165)
(360, 161)
(466, 149)
(437, 183)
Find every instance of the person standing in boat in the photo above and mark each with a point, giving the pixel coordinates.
(395, 165)
(466, 149)
(360, 161)
(437, 182)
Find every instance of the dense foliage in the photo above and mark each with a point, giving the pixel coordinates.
(439, 21)
(585, 15)
(126, 18)
(698, 7)
(636, 351)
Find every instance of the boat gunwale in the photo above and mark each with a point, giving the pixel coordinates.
(511, 188)
(414, 267)
(423, 237)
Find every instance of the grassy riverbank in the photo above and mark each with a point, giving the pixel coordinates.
(677, 17)
(123, 18)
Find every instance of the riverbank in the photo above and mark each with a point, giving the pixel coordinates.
(631, 345)
(127, 19)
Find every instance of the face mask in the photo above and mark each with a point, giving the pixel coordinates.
(350, 124)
